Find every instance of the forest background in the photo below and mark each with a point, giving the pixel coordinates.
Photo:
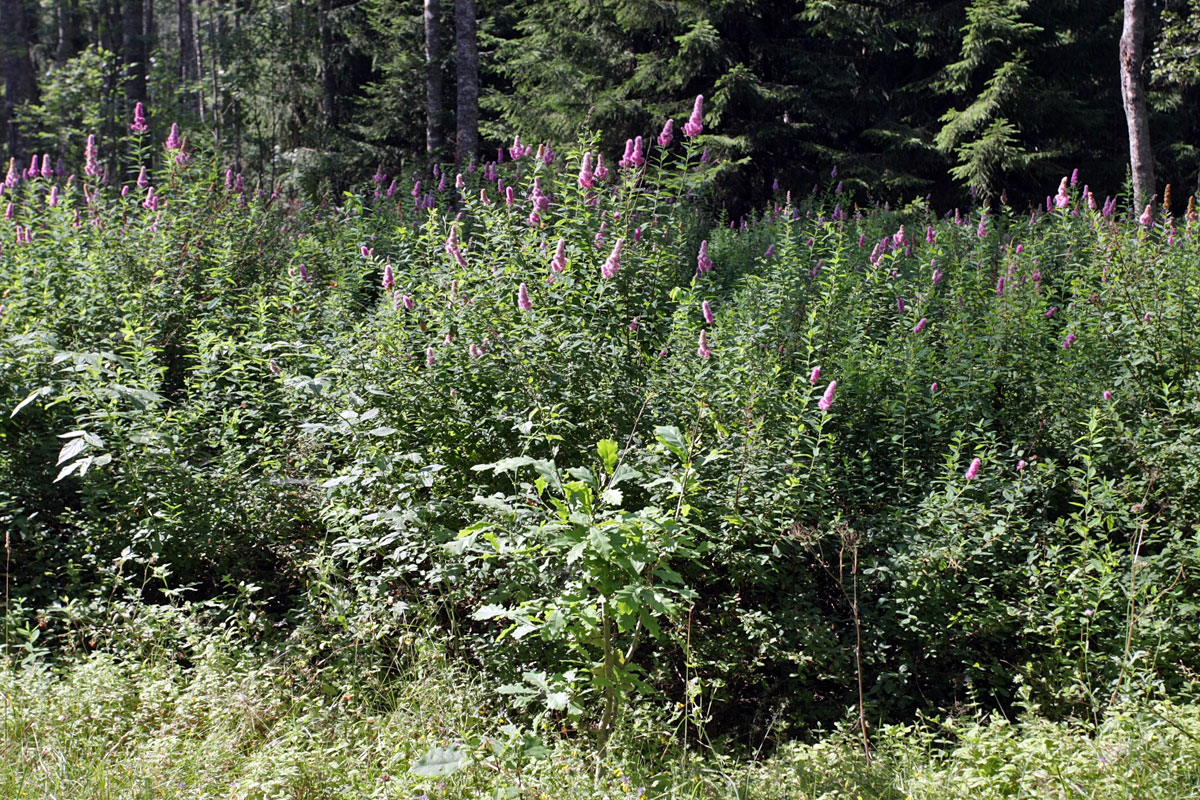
(908, 99)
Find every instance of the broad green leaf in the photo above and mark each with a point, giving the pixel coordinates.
(36, 393)
(608, 450)
(439, 762)
(670, 436)
(71, 449)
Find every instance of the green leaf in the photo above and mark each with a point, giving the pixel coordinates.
(670, 436)
(382, 430)
(70, 450)
(608, 450)
(45, 390)
(490, 612)
(439, 762)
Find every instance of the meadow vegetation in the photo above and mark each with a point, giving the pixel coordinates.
(547, 479)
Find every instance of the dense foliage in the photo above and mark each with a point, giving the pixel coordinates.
(606, 447)
(909, 97)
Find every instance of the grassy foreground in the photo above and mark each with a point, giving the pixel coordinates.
(191, 714)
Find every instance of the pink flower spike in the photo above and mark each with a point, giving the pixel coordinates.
(47, 167)
(430, 358)
(627, 158)
(613, 263)
(407, 301)
(52, 200)
(587, 178)
(667, 135)
(695, 124)
(523, 301)
(702, 349)
(173, 142)
(1108, 395)
(1147, 217)
(706, 310)
(389, 280)
(1053, 310)
(1021, 465)
(1062, 199)
(1070, 340)
(601, 170)
(933, 387)
(634, 324)
(139, 119)
(900, 304)
(826, 400)
(559, 262)
(142, 180)
(973, 470)
(920, 326)
(703, 262)
(814, 376)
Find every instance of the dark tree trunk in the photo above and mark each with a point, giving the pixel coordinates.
(188, 55)
(434, 90)
(133, 50)
(19, 85)
(329, 98)
(67, 17)
(467, 64)
(1133, 96)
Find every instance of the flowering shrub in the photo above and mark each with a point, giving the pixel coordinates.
(211, 387)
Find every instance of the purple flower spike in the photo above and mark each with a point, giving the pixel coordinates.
(706, 310)
(702, 349)
(523, 301)
(389, 280)
(587, 178)
(173, 142)
(826, 400)
(1053, 310)
(933, 387)
(667, 135)
(973, 470)
(703, 262)
(559, 262)
(613, 263)
(695, 124)
(1070, 340)
(1147, 217)
(1108, 395)
(814, 376)
(1062, 199)
(900, 304)
(47, 167)
(920, 326)
(139, 119)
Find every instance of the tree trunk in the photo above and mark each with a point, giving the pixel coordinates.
(133, 50)
(67, 13)
(1133, 96)
(329, 98)
(433, 79)
(467, 62)
(189, 52)
(19, 85)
